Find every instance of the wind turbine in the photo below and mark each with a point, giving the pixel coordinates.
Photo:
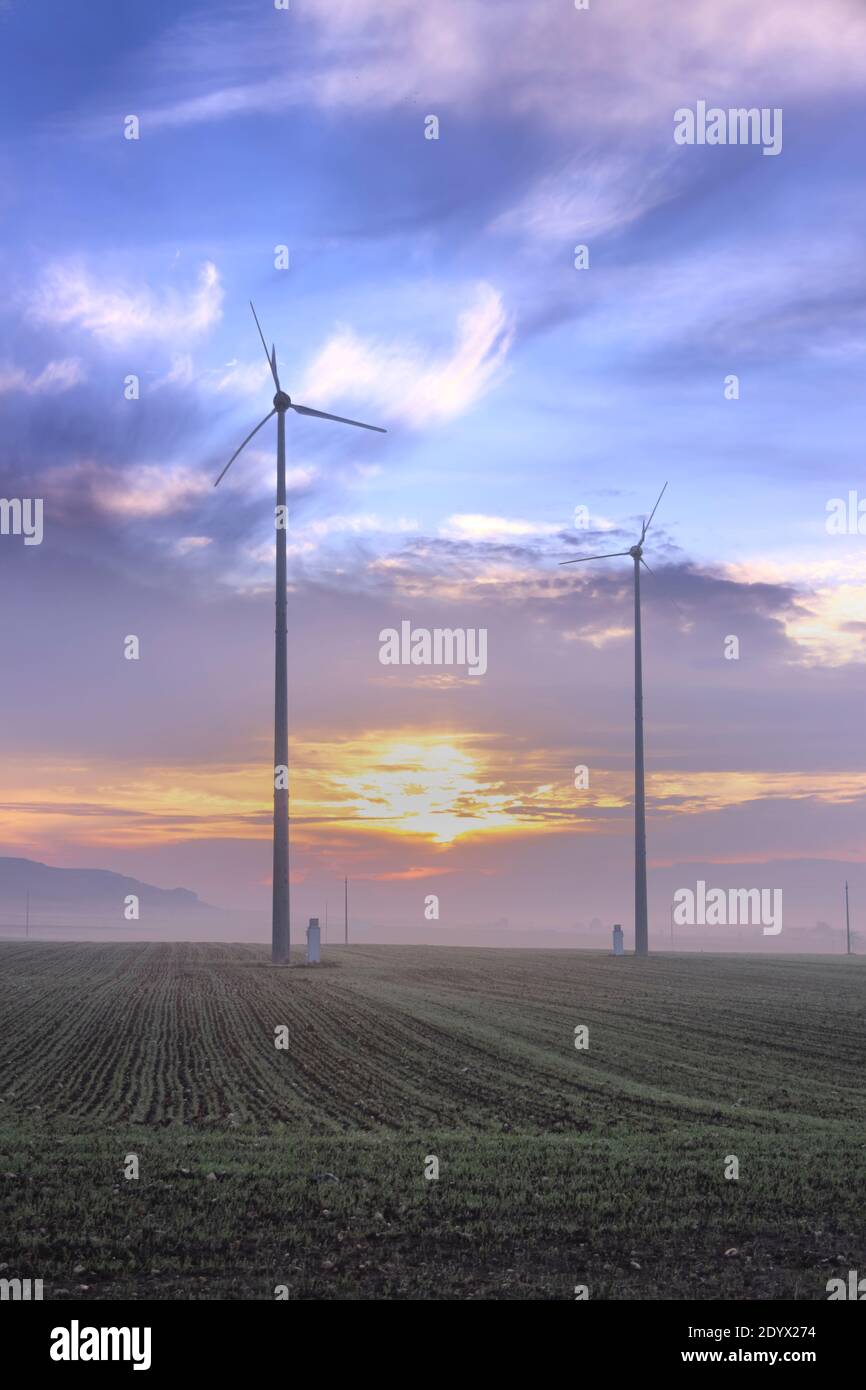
(280, 930)
(641, 935)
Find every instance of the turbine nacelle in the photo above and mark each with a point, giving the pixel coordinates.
(283, 403)
(636, 551)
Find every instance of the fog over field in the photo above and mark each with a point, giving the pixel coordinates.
(55, 904)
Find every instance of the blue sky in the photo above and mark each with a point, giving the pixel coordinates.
(432, 289)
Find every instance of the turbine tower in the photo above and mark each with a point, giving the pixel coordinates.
(641, 931)
(280, 929)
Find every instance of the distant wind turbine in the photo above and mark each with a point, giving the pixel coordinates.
(280, 930)
(641, 933)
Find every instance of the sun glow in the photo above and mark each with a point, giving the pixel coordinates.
(428, 786)
(376, 786)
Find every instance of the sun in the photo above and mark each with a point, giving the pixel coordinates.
(426, 785)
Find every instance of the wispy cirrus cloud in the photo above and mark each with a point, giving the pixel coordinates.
(55, 376)
(239, 378)
(587, 198)
(632, 62)
(399, 378)
(72, 296)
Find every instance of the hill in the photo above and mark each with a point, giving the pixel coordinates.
(86, 896)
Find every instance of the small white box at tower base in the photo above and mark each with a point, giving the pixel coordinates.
(617, 941)
(313, 942)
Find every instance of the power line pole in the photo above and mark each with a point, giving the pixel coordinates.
(346, 888)
(847, 919)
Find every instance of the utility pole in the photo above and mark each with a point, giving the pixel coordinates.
(346, 888)
(847, 920)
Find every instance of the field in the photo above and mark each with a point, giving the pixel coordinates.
(304, 1168)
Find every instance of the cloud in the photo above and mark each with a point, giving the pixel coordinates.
(234, 378)
(399, 380)
(609, 68)
(189, 545)
(825, 625)
(149, 490)
(589, 198)
(752, 298)
(70, 296)
(477, 527)
(55, 376)
(256, 477)
(359, 525)
(597, 634)
(306, 541)
(180, 373)
(243, 378)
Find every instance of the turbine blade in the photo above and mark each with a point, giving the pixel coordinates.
(646, 567)
(647, 524)
(341, 419)
(274, 365)
(243, 446)
(581, 559)
(265, 346)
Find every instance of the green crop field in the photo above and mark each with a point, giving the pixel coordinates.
(304, 1167)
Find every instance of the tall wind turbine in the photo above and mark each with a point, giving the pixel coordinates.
(641, 934)
(280, 931)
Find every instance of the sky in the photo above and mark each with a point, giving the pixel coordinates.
(534, 410)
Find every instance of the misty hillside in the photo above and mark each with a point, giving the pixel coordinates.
(78, 891)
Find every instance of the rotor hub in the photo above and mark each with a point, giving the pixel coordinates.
(282, 401)
(636, 551)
